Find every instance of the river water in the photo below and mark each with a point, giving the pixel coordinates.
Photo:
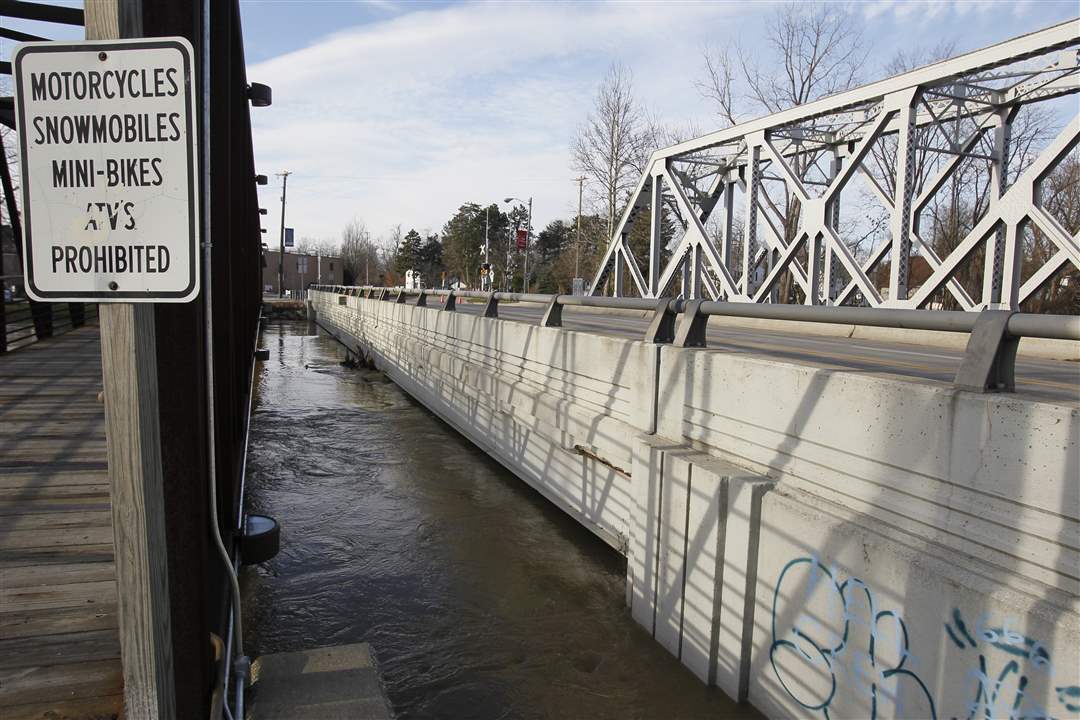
(479, 598)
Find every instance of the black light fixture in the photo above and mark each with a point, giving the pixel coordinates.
(262, 211)
(260, 95)
(262, 230)
(261, 180)
(260, 539)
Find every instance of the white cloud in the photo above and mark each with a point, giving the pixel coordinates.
(402, 120)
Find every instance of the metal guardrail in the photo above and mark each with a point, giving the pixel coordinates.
(988, 363)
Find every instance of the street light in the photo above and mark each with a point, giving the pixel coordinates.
(284, 175)
(528, 236)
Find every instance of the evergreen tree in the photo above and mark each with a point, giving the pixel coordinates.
(552, 240)
(462, 240)
(407, 253)
(549, 245)
(638, 240)
(430, 260)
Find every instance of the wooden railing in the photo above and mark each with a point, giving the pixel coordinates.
(23, 322)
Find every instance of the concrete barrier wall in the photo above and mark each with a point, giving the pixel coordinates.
(861, 620)
(820, 543)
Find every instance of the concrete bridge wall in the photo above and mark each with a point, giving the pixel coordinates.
(819, 543)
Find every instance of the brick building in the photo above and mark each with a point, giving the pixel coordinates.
(301, 270)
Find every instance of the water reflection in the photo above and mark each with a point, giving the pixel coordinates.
(479, 598)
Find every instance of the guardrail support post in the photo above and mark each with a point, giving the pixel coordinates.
(553, 314)
(691, 331)
(989, 360)
(662, 327)
(421, 299)
(450, 304)
(400, 300)
(491, 309)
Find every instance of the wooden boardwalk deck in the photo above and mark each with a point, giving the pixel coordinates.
(59, 647)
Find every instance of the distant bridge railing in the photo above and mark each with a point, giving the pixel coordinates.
(988, 363)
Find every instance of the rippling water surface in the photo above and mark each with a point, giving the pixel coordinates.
(479, 598)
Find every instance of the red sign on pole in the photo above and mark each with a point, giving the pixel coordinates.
(522, 239)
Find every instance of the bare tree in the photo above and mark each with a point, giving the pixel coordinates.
(719, 81)
(610, 145)
(811, 50)
(358, 253)
(657, 134)
(814, 50)
(1061, 198)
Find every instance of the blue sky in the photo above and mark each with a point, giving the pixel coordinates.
(398, 112)
(395, 112)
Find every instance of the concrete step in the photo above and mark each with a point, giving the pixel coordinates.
(330, 682)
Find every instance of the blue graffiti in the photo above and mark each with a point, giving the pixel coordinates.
(849, 644)
(1006, 694)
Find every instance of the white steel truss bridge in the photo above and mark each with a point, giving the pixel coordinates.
(771, 203)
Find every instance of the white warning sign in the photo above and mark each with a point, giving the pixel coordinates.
(109, 165)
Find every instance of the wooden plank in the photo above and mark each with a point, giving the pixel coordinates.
(62, 444)
(41, 504)
(13, 391)
(21, 557)
(60, 649)
(79, 594)
(45, 477)
(56, 427)
(107, 707)
(32, 412)
(50, 621)
(33, 499)
(56, 683)
(55, 521)
(55, 538)
(59, 573)
(51, 451)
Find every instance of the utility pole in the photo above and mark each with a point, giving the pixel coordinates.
(487, 226)
(528, 235)
(281, 253)
(577, 245)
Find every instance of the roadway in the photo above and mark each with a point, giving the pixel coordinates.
(1054, 380)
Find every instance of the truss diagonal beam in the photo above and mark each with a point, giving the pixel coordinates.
(936, 118)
